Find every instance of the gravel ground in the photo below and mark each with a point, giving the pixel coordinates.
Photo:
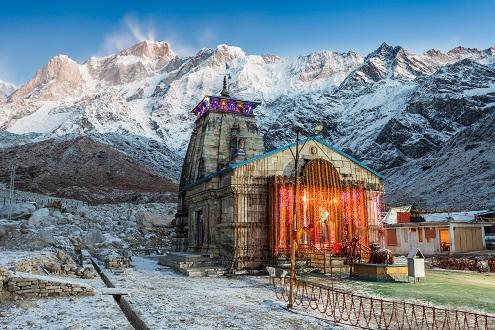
(165, 299)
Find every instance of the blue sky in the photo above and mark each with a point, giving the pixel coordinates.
(31, 32)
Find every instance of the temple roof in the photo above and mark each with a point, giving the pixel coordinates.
(224, 104)
(274, 151)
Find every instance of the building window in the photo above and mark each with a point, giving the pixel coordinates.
(391, 237)
(420, 234)
(430, 234)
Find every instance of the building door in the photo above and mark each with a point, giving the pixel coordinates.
(444, 240)
(200, 229)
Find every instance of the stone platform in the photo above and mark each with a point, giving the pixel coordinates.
(380, 272)
(192, 264)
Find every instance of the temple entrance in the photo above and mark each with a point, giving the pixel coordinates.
(329, 212)
(200, 229)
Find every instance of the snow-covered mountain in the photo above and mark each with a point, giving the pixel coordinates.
(6, 88)
(391, 108)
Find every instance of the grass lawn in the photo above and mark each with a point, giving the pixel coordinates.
(462, 290)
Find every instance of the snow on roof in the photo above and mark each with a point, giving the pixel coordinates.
(466, 216)
(391, 216)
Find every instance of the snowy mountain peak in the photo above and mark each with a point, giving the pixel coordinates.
(384, 52)
(6, 88)
(491, 53)
(150, 49)
(459, 50)
(140, 61)
(228, 53)
(389, 62)
(60, 77)
(482, 56)
(325, 65)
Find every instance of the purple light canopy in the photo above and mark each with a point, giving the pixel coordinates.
(224, 104)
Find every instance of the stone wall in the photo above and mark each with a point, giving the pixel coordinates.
(210, 143)
(4, 277)
(41, 286)
(117, 262)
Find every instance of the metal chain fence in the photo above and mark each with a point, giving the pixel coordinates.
(374, 313)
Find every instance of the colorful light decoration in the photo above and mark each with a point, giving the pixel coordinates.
(214, 103)
(329, 211)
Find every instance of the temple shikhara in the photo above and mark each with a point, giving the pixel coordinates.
(236, 200)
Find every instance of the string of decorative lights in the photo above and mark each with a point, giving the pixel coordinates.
(329, 210)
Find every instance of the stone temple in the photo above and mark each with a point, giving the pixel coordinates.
(236, 199)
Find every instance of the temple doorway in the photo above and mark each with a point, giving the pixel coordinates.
(329, 211)
(200, 229)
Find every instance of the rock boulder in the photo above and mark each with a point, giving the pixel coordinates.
(92, 237)
(38, 216)
(18, 211)
(147, 221)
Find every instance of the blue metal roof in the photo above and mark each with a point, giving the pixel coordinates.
(274, 151)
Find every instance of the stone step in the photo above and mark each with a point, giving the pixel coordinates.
(203, 271)
(187, 262)
(193, 265)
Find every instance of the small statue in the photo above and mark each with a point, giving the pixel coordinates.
(381, 256)
(241, 146)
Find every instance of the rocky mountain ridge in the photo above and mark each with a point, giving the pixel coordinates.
(81, 168)
(391, 108)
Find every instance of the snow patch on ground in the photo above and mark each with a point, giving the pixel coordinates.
(88, 312)
(167, 300)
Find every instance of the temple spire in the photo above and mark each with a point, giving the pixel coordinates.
(225, 91)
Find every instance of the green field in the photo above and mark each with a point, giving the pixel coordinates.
(461, 290)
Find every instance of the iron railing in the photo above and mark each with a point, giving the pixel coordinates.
(360, 311)
(317, 257)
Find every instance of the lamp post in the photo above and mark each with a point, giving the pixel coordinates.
(12, 190)
(293, 232)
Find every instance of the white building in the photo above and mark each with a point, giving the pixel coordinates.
(440, 233)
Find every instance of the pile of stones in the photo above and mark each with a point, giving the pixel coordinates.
(67, 266)
(482, 264)
(57, 264)
(73, 227)
(115, 262)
